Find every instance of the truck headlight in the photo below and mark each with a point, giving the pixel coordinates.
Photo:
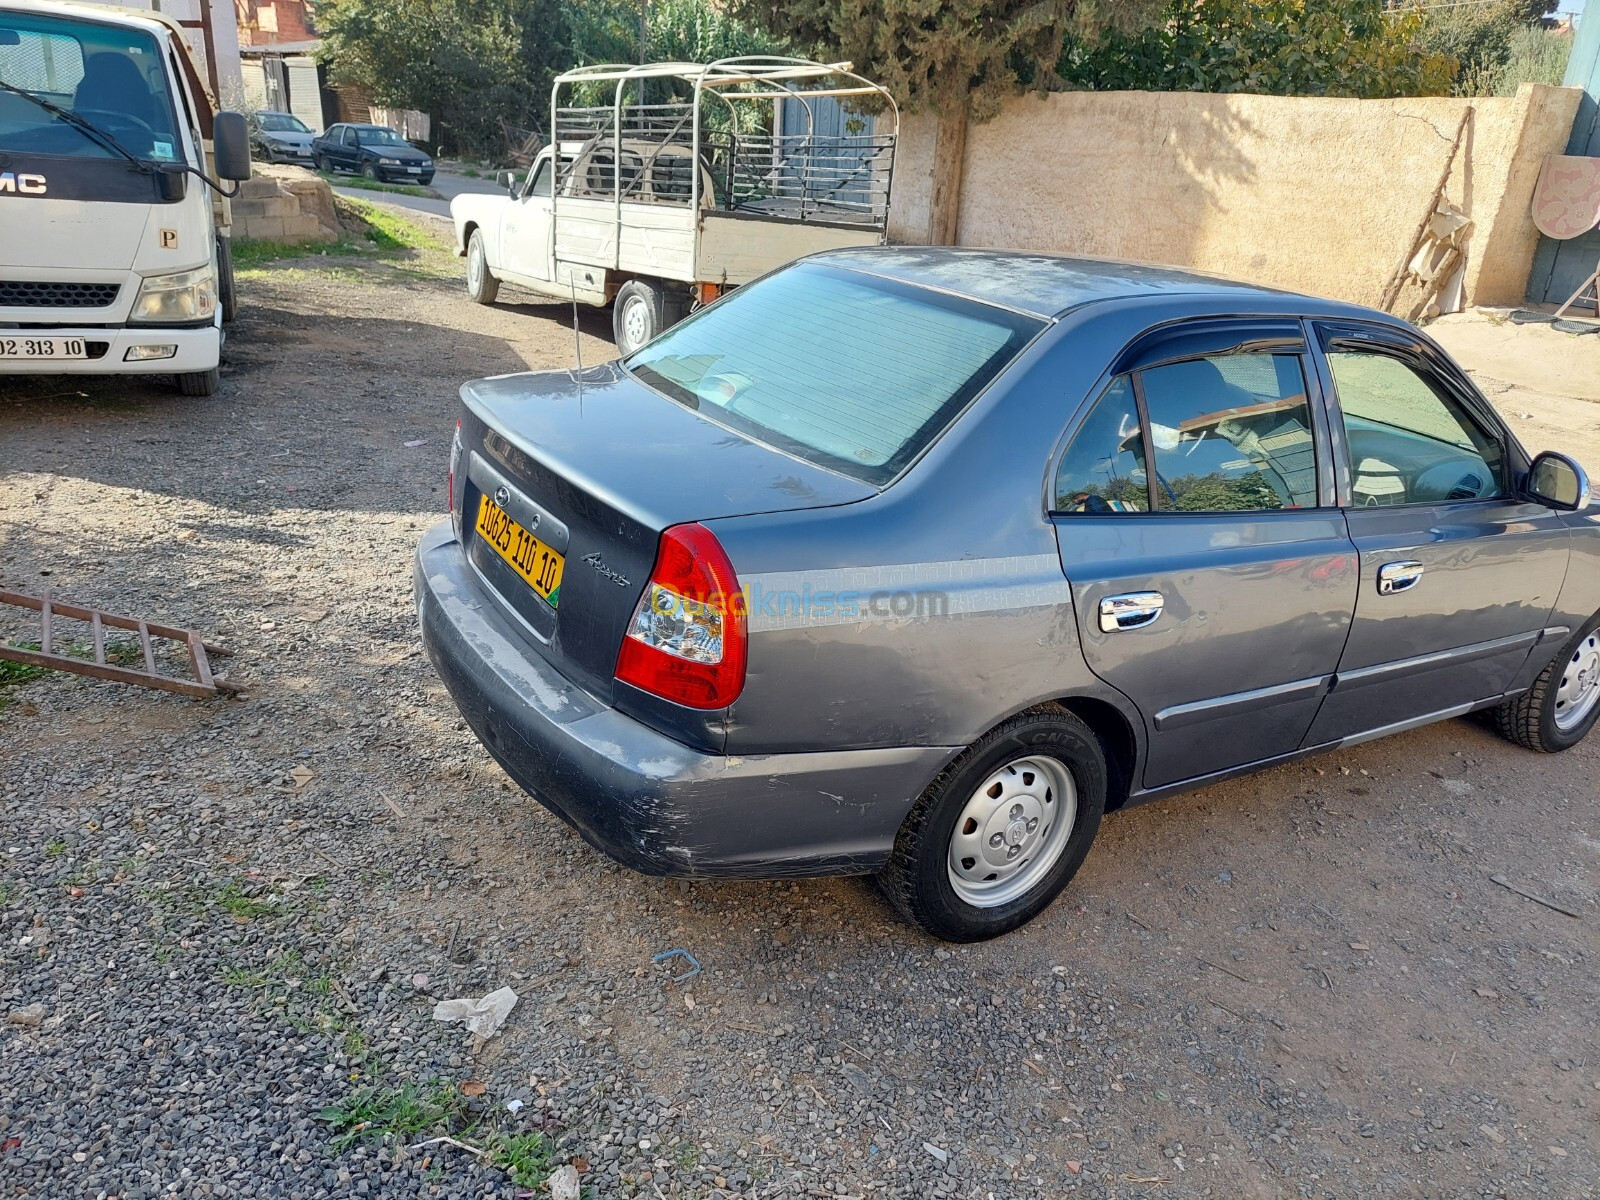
(181, 296)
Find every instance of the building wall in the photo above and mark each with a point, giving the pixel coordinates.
(274, 22)
(1314, 194)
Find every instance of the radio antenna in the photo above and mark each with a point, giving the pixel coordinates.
(577, 340)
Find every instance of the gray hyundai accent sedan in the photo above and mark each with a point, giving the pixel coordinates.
(915, 562)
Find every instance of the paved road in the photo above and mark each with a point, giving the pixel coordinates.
(446, 184)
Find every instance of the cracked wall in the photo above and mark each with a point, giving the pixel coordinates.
(1315, 194)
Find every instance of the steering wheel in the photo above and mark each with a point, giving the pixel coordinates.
(104, 116)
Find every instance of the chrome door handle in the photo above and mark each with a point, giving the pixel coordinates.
(1398, 577)
(1132, 610)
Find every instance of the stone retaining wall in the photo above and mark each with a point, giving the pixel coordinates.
(285, 204)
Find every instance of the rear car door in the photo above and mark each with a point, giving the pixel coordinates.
(1211, 572)
(1458, 574)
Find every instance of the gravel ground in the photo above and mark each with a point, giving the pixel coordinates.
(220, 918)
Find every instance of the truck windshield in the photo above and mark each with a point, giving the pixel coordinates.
(847, 370)
(112, 76)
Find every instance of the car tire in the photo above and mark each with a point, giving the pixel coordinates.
(642, 310)
(370, 170)
(482, 286)
(227, 291)
(1561, 707)
(1033, 789)
(200, 383)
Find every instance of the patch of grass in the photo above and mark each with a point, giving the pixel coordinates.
(12, 673)
(402, 1112)
(163, 954)
(55, 848)
(355, 1043)
(251, 255)
(687, 1155)
(364, 184)
(241, 907)
(390, 231)
(241, 977)
(527, 1157)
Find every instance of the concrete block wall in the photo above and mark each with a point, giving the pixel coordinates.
(285, 204)
(1320, 195)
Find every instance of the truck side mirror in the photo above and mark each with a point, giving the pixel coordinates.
(230, 143)
(1555, 480)
(508, 180)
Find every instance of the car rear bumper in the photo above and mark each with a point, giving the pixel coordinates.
(648, 801)
(196, 350)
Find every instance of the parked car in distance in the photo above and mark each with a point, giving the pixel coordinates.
(375, 151)
(279, 137)
(916, 561)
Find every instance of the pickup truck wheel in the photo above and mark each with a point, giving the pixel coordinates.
(641, 311)
(227, 292)
(482, 286)
(200, 383)
(1002, 830)
(1564, 702)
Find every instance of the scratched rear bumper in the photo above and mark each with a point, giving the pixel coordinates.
(648, 801)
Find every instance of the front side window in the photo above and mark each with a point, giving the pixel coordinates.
(539, 182)
(1408, 442)
(844, 369)
(112, 77)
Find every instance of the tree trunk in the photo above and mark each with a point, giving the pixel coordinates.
(944, 201)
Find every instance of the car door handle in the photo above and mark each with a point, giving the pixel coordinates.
(1132, 610)
(1398, 577)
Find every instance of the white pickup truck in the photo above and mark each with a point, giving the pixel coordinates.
(114, 232)
(688, 180)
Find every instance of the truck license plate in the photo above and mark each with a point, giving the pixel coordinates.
(42, 347)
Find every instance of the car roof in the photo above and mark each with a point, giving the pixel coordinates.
(1048, 285)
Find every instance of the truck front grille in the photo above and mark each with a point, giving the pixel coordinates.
(32, 293)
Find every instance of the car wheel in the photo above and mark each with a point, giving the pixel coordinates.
(1002, 830)
(482, 286)
(1563, 703)
(369, 170)
(641, 311)
(227, 291)
(200, 383)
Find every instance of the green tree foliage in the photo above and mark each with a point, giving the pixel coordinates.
(471, 64)
(1275, 47)
(1537, 55)
(467, 63)
(1480, 38)
(956, 53)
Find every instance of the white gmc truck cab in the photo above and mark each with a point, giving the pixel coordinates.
(114, 251)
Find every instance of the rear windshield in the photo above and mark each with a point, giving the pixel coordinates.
(843, 369)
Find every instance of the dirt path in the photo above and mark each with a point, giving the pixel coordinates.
(1298, 984)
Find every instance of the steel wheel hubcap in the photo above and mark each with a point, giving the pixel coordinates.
(1579, 689)
(636, 323)
(475, 267)
(1012, 830)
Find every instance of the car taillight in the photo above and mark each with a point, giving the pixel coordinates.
(450, 490)
(686, 641)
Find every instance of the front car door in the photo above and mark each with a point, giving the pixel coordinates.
(349, 149)
(1211, 572)
(525, 223)
(1458, 575)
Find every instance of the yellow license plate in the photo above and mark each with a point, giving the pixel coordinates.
(526, 554)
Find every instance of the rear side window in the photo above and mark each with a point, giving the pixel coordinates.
(840, 368)
(1224, 433)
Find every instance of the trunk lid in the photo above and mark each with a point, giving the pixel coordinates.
(596, 466)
